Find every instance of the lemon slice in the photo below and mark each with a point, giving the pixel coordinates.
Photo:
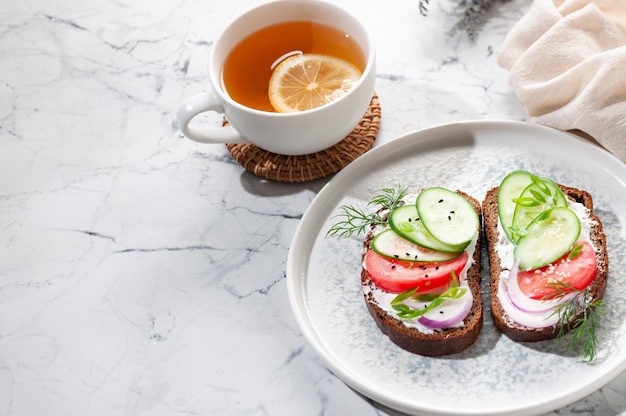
(305, 81)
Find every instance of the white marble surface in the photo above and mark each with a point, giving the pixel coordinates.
(144, 274)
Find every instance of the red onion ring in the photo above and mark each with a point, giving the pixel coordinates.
(526, 304)
(437, 320)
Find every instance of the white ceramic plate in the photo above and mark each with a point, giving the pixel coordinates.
(495, 375)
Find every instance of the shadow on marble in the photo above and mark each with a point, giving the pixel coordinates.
(259, 186)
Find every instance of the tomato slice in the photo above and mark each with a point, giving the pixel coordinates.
(578, 272)
(397, 275)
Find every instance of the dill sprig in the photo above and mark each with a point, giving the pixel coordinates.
(354, 220)
(579, 331)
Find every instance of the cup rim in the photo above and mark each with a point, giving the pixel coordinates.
(370, 64)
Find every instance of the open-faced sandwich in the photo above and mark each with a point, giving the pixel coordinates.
(548, 260)
(421, 267)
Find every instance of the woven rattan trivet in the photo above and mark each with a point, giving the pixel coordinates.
(306, 168)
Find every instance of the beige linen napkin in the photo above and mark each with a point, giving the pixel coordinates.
(567, 63)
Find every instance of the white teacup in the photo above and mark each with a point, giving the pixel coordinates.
(294, 133)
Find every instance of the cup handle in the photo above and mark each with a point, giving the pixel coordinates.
(200, 103)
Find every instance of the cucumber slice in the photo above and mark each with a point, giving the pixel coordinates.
(549, 236)
(406, 222)
(510, 188)
(447, 216)
(390, 244)
(541, 195)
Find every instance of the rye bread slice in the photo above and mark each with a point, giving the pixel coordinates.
(444, 341)
(506, 325)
